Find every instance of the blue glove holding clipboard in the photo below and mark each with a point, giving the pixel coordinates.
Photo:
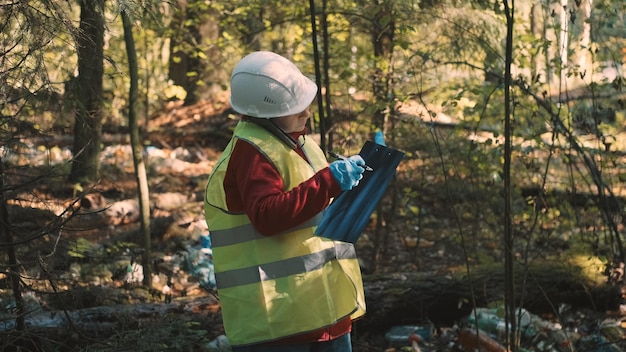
(346, 217)
(347, 171)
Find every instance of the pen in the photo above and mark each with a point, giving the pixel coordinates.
(341, 157)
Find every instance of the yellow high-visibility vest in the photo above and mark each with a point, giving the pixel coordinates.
(272, 287)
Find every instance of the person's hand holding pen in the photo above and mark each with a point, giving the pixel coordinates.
(348, 171)
(341, 157)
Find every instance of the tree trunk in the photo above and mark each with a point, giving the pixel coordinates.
(104, 321)
(88, 121)
(582, 26)
(318, 80)
(189, 50)
(382, 35)
(537, 25)
(6, 236)
(563, 38)
(137, 148)
(512, 341)
(326, 72)
(407, 298)
(183, 66)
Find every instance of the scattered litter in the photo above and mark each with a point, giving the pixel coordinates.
(470, 340)
(491, 321)
(405, 335)
(537, 334)
(199, 263)
(219, 344)
(134, 273)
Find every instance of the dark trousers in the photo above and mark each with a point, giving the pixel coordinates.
(341, 344)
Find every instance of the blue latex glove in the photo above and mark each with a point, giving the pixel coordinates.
(379, 138)
(348, 172)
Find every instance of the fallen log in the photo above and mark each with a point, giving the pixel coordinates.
(392, 299)
(444, 299)
(106, 320)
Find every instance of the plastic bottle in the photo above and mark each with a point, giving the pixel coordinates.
(404, 335)
(491, 321)
(219, 344)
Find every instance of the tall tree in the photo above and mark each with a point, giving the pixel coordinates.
(382, 35)
(563, 33)
(88, 120)
(322, 112)
(582, 22)
(537, 28)
(7, 237)
(137, 146)
(195, 30)
(508, 243)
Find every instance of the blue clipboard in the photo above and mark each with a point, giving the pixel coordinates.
(346, 217)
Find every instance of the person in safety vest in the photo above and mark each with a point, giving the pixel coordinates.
(281, 287)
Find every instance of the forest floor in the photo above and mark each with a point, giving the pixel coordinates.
(94, 265)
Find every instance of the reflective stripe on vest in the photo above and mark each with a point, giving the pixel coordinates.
(246, 232)
(276, 286)
(283, 268)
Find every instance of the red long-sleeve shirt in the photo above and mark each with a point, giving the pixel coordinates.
(253, 185)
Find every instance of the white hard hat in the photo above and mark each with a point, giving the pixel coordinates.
(267, 85)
